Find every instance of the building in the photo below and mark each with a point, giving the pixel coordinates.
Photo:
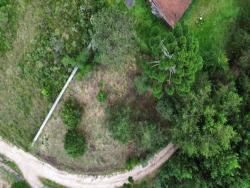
(170, 10)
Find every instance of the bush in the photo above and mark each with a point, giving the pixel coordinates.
(127, 124)
(74, 143)
(132, 162)
(82, 61)
(165, 109)
(119, 123)
(20, 184)
(71, 113)
(102, 96)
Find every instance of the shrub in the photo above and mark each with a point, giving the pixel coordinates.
(20, 184)
(127, 124)
(119, 123)
(132, 162)
(102, 96)
(74, 143)
(166, 109)
(71, 113)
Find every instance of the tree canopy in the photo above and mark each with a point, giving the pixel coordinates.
(175, 61)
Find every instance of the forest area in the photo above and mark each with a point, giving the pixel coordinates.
(210, 122)
(191, 85)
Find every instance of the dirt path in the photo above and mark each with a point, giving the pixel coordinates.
(33, 168)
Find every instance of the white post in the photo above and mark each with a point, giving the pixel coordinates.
(54, 106)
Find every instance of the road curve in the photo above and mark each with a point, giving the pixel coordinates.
(34, 168)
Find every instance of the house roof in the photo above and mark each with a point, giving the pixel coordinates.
(172, 10)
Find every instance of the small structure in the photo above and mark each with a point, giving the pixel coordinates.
(170, 10)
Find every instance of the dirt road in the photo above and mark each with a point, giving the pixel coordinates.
(33, 168)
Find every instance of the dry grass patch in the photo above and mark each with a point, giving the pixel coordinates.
(104, 154)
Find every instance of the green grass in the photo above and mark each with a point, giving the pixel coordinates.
(213, 30)
(8, 24)
(31, 72)
(22, 106)
(50, 184)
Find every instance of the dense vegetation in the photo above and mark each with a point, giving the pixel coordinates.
(59, 38)
(71, 113)
(74, 143)
(129, 125)
(192, 86)
(211, 123)
(175, 61)
(206, 102)
(20, 184)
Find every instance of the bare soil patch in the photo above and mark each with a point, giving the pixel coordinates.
(4, 184)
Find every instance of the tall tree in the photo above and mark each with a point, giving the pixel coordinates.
(175, 62)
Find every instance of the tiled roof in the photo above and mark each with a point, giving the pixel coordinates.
(171, 10)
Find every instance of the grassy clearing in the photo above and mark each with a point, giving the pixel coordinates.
(32, 74)
(210, 20)
(22, 106)
(104, 154)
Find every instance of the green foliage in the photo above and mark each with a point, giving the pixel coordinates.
(71, 113)
(201, 127)
(119, 123)
(12, 165)
(166, 109)
(102, 96)
(20, 184)
(127, 125)
(146, 24)
(60, 43)
(211, 123)
(8, 24)
(113, 35)
(132, 162)
(50, 184)
(74, 143)
(81, 61)
(176, 61)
